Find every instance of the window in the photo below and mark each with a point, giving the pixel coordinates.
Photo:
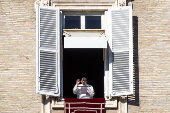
(119, 33)
(83, 22)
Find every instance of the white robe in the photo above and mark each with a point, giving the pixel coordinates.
(83, 91)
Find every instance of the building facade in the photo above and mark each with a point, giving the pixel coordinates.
(150, 47)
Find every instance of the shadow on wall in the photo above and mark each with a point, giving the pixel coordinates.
(134, 99)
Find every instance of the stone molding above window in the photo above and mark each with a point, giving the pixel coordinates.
(83, 6)
(70, 4)
(83, 0)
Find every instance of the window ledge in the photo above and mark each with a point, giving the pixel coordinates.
(109, 104)
(84, 32)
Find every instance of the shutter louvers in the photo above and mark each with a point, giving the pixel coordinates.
(48, 71)
(48, 28)
(48, 42)
(121, 51)
(120, 29)
(120, 71)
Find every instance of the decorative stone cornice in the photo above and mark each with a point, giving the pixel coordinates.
(83, 6)
(42, 2)
(121, 3)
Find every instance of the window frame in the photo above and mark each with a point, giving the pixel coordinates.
(82, 18)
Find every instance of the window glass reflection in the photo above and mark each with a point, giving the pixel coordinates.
(72, 22)
(93, 22)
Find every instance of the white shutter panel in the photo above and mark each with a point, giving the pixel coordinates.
(121, 53)
(48, 51)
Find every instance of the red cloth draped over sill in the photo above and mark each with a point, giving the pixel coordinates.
(95, 105)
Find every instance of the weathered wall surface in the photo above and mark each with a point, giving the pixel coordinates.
(17, 57)
(152, 57)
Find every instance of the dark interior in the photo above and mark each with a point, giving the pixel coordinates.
(78, 63)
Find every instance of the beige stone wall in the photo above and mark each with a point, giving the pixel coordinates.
(152, 45)
(17, 57)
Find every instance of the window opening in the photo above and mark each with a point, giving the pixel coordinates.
(79, 63)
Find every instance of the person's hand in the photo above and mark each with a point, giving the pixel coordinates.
(78, 81)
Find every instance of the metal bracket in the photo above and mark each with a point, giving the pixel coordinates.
(102, 34)
(123, 97)
(67, 34)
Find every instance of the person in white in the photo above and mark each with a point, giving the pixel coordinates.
(84, 90)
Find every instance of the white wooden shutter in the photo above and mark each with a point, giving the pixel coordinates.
(48, 50)
(121, 51)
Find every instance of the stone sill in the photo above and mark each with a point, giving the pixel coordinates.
(109, 104)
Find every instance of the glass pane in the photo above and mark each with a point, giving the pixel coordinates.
(72, 22)
(93, 22)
